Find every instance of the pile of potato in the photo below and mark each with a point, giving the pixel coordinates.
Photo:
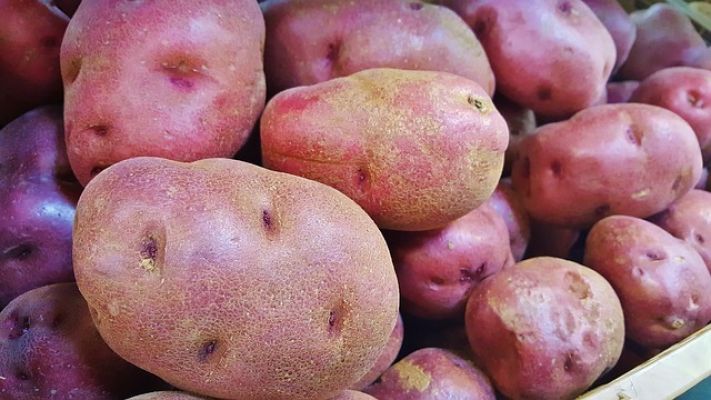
(338, 199)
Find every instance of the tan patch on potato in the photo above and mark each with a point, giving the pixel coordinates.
(412, 376)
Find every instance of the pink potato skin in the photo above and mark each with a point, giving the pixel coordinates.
(415, 149)
(506, 202)
(432, 374)
(30, 35)
(665, 38)
(167, 396)
(277, 287)
(618, 23)
(685, 91)
(50, 349)
(568, 173)
(689, 219)
(577, 46)
(147, 78)
(311, 41)
(389, 354)
(353, 395)
(621, 92)
(545, 329)
(662, 281)
(38, 194)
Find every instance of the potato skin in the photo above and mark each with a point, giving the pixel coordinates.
(311, 41)
(545, 329)
(386, 358)
(50, 349)
(38, 194)
(149, 78)
(30, 35)
(568, 173)
(618, 23)
(353, 395)
(505, 201)
(578, 49)
(662, 282)
(296, 268)
(413, 164)
(621, 92)
(685, 91)
(167, 396)
(433, 374)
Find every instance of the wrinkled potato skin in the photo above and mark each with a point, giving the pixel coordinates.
(433, 374)
(621, 92)
(167, 396)
(387, 357)
(689, 219)
(545, 329)
(296, 268)
(147, 78)
(685, 91)
(618, 23)
(311, 41)
(415, 149)
(37, 197)
(505, 201)
(353, 395)
(578, 49)
(30, 34)
(569, 173)
(50, 349)
(662, 282)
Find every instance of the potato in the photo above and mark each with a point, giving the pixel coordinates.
(149, 78)
(571, 45)
(37, 197)
(438, 269)
(259, 271)
(618, 23)
(610, 159)
(621, 92)
(167, 396)
(685, 91)
(521, 122)
(49, 349)
(415, 149)
(689, 219)
(311, 41)
(665, 38)
(432, 374)
(30, 35)
(545, 329)
(353, 395)
(389, 354)
(662, 281)
(505, 201)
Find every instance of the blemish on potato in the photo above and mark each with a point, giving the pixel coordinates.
(73, 71)
(416, 6)
(557, 168)
(602, 210)
(571, 360)
(207, 349)
(544, 93)
(412, 377)
(677, 183)
(578, 286)
(22, 375)
(99, 129)
(565, 7)
(641, 194)
(336, 319)
(480, 104)
(149, 253)
(19, 252)
(633, 135)
(694, 98)
(655, 255)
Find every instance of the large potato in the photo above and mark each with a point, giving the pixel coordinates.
(38, 194)
(545, 329)
(505, 201)
(567, 68)
(49, 349)
(415, 149)
(618, 23)
(30, 35)
(232, 281)
(155, 78)
(631, 159)
(438, 269)
(386, 358)
(311, 41)
(685, 91)
(432, 374)
(663, 283)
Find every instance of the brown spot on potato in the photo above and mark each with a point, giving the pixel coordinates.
(480, 104)
(677, 183)
(565, 7)
(572, 359)
(694, 98)
(655, 255)
(578, 286)
(333, 51)
(412, 376)
(436, 280)
(267, 220)
(544, 93)
(602, 211)
(149, 253)
(207, 349)
(22, 375)
(416, 6)
(20, 252)
(673, 323)
(557, 168)
(699, 238)
(361, 178)
(485, 20)
(633, 135)
(50, 42)
(99, 129)
(73, 70)
(336, 319)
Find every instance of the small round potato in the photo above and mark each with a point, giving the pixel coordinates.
(663, 283)
(389, 354)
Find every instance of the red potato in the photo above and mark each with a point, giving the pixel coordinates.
(685, 91)
(30, 35)
(621, 92)
(618, 23)
(277, 287)
(311, 41)
(386, 359)
(433, 374)
(438, 269)
(662, 281)
(149, 78)
(665, 38)
(49, 349)
(689, 219)
(521, 122)
(571, 45)
(415, 149)
(545, 329)
(38, 194)
(167, 396)
(506, 202)
(353, 395)
(569, 173)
